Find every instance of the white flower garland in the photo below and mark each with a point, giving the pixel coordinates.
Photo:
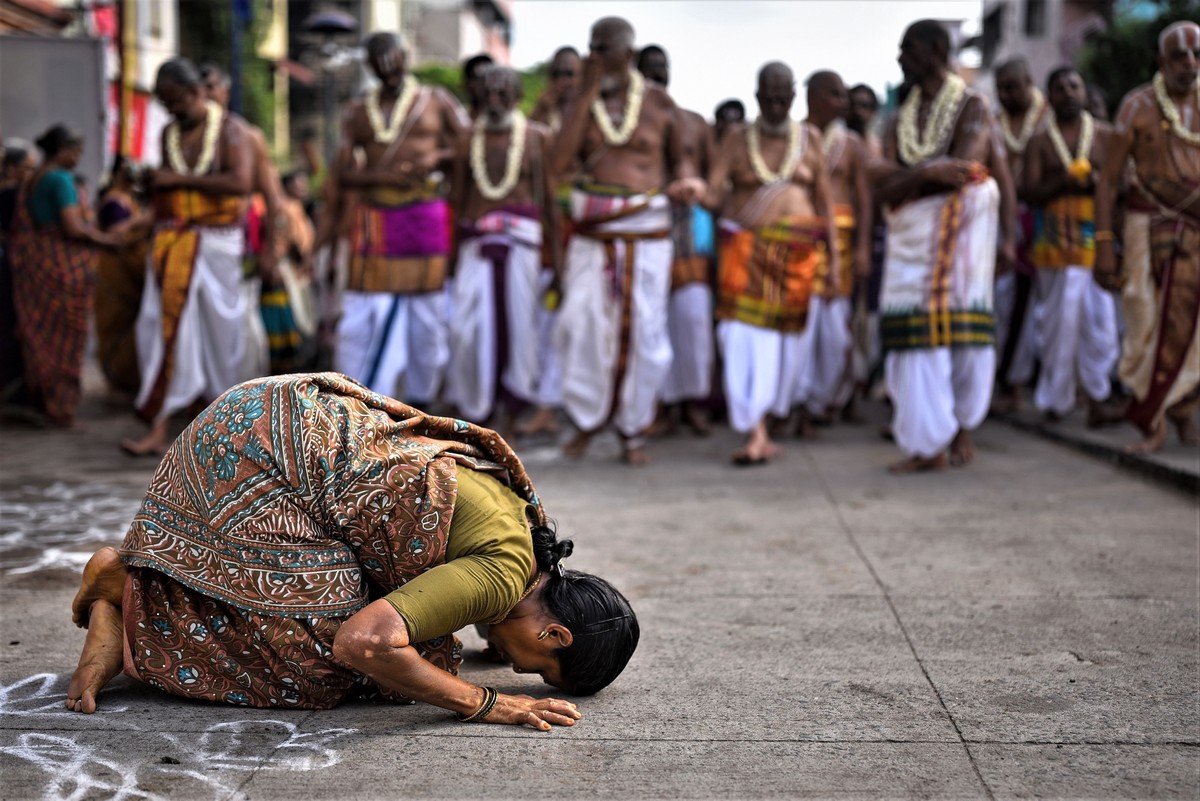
(791, 158)
(1017, 143)
(208, 148)
(512, 166)
(1086, 134)
(633, 110)
(834, 134)
(1171, 112)
(387, 131)
(917, 146)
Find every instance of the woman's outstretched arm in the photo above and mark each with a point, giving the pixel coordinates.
(374, 641)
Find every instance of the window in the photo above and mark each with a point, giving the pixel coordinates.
(1035, 18)
(993, 30)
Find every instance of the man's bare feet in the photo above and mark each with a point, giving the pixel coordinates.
(103, 579)
(153, 444)
(805, 428)
(635, 455)
(962, 450)
(1007, 400)
(543, 421)
(918, 464)
(696, 418)
(759, 449)
(1186, 428)
(577, 447)
(1153, 442)
(1105, 413)
(101, 658)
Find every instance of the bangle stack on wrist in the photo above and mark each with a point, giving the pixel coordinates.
(489, 700)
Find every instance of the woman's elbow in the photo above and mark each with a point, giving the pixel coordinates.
(368, 635)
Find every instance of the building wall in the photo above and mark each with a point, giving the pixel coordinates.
(1065, 26)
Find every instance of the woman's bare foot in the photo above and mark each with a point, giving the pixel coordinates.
(577, 447)
(101, 658)
(103, 579)
(543, 421)
(918, 464)
(1152, 443)
(962, 450)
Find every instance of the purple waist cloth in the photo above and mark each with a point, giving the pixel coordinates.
(418, 229)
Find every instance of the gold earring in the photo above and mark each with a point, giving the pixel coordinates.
(545, 633)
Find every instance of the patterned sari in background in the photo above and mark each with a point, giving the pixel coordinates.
(54, 281)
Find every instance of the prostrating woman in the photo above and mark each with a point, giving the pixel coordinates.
(306, 539)
(54, 276)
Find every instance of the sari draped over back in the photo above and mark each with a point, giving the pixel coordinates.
(288, 505)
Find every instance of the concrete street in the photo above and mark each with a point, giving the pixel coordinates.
(1024, 627)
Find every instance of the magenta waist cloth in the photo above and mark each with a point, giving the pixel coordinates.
(417, 229)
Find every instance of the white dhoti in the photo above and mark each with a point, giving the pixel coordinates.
(549, 388)
(612, 329)
(936, 393)
(1029, 340)
(825, 375)
(383, 338)
(1078, 322)
(937, 322)
(496, 297)
(209, 347)
(690, 326)
(760, 368)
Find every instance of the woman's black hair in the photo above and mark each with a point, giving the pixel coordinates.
(602, 623)
(15, 152)
(57, 139)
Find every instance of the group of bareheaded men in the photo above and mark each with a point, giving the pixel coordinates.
(506, 264)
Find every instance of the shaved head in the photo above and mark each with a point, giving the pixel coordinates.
(776, 71)
(1014, 67)
(823, 80)
(1181, 32)
(616, 27)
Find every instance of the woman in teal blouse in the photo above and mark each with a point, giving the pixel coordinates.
(54, 273)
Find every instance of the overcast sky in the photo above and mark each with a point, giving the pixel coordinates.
(717, 46)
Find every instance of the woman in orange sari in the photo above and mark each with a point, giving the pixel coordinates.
(54, 275)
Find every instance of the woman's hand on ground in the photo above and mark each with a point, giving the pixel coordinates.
(538, 713)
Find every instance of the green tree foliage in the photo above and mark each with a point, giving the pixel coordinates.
(533, 81)
(204, 36)
(1123, 57)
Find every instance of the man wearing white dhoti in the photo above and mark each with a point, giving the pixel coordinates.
(690, 308)
(392, 333)
(190, 329)
(1022, 114)
(827, 382)
(936, 302)
(493, 334)
(612, 329)
(777, 233)
(1077, 317)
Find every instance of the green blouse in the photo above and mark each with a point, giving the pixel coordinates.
(53, 192)
(489, 556)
